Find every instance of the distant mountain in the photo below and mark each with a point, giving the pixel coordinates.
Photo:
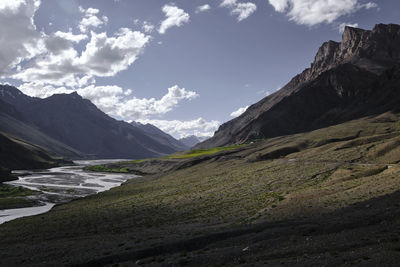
(357, 77)
(78, 124)
(190, 141)
(160, 136)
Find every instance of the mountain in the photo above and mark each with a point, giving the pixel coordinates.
(12, 122)
(160, 136)
(17, 154)
(190, 141)
(356, 77)
(78, 124)
(15, 97)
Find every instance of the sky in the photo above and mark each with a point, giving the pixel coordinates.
(184, 66)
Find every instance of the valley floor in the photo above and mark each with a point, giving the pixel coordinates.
(329, 197)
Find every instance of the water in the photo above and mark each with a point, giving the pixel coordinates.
(62, 184)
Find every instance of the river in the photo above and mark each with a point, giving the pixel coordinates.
(62, 184)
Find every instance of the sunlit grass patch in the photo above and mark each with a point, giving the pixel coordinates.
(203, 152)
(103, 168)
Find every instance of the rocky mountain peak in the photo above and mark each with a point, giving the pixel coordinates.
(325, 55)
(373, 50)
(352, 36)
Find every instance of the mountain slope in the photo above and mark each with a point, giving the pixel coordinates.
(16, 154)
(350, 79)
(13, 123)
(78, 123)
(160, 136)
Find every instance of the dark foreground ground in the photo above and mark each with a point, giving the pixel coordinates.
(325, 198)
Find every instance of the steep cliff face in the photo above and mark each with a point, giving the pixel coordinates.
(326, 93)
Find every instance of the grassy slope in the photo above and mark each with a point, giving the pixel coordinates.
(269, 196)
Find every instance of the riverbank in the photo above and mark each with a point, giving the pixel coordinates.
(37, 191)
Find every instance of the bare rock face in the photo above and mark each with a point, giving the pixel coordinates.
(344, 82)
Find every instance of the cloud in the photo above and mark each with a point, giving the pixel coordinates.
(76, 38)
(239, 112)
(103, 56)
(39, 90)
(174, 17)
(312, 12)
(90, 19)
(368, 5)
(118, 102)
(136, 108)
(52, 60)
(20, 40)
(179, 129)
(241, 10)
(147, 27)
(343, 25)
(203, 8)
(106, 56)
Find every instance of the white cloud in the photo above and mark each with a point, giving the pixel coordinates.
(203, 8)
(343, 25)
(241, 10)
(312, 12)
(179, 129)
(20, 40)
(38, 90)
(76, 38)
(103, 56)
(175, 17)
(118, 102)
(11, 5)
(147, 27)
(239, 112)
(136, 108)
(369, 5)
(279, 5)
(90, 19)
(106, 56)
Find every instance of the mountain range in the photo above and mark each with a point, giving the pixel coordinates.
(70, 126)
(356, 77)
